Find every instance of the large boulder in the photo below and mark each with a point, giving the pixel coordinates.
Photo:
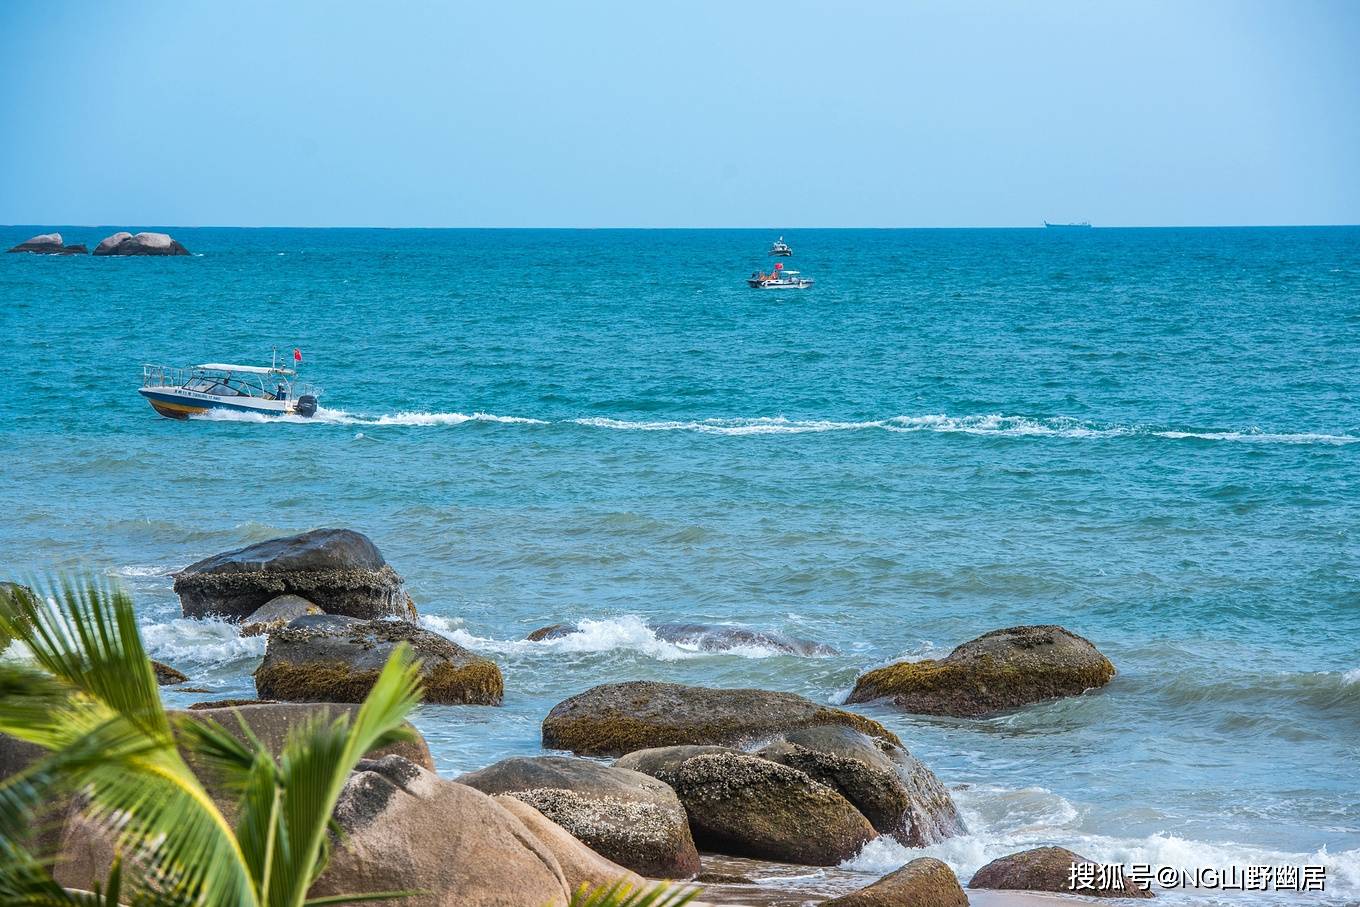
(124, 243)
(580, 865)
(617, 718)
(747, 806)
(326, 658)
(276, 613)
(1001, 670)
(403, 828)
(1048, 869)
(49, 244)
(894, 790)
(924, 882)
(339, 570)
(628, 817)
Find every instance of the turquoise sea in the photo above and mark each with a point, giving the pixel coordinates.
(1151, 437)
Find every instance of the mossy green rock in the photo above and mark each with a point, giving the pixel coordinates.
(996, 672)
(746, 806)
(617, 718)
(326, 658)
(924, 882)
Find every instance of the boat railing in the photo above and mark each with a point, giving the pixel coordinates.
(164, 376)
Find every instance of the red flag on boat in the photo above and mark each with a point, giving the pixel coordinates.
(297, 355)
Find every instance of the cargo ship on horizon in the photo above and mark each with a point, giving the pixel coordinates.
(1083, 225)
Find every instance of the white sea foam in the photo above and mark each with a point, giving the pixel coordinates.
(625, 633)
(207, 643)
(1351, 677)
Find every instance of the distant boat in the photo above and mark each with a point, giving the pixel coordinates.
(778, 279)
(1083, 225)
(780, 247)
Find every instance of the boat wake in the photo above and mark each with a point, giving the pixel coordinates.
(990, 425)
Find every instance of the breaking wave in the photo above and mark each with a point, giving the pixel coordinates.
(991, 425)
(628, 633)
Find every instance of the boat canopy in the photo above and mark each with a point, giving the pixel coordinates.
(243, 369)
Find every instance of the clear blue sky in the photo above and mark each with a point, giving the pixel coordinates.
(680, 114)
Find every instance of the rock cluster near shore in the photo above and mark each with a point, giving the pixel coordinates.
(742, 773)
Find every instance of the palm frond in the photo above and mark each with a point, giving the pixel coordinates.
(624, 894)
(100, 716)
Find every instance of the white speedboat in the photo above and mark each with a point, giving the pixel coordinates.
(178, 393)
(780, 247)
(778, 279)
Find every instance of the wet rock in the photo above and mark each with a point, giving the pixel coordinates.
(327, 658)
(898, 794)
(663, 762)
(338, 570)
(403, 828)
(275, 613)
(617, 718)
(723, 638)
(924, 882)
(723, 878)
(552, 631)
(227, 704)
(49, 244)
(580, 865)
(626, 816)
(1046, 869)
(166, 675)
(124, 243)
(747, 806)
(1001, 670)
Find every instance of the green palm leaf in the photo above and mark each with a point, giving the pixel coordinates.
(624, 894)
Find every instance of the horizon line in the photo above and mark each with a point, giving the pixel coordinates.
(1039, 226)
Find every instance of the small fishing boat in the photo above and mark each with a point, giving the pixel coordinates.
(778, 279)
(178, 393)
(780, 247)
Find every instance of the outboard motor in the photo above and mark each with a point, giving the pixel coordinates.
(306, 406)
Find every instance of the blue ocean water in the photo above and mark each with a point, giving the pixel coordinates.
(1151, 437)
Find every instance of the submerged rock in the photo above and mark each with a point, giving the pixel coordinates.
(339, 570)
(403, 828)
(1001, 670)
(924, 882)
(894, 790)
(747, 806)
(630, 818)
(328, 658)
(276, 613)
(552, 631)
(124, 243)
(1046, 869)
(49, 244)
(723, 638)
(617, 718)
